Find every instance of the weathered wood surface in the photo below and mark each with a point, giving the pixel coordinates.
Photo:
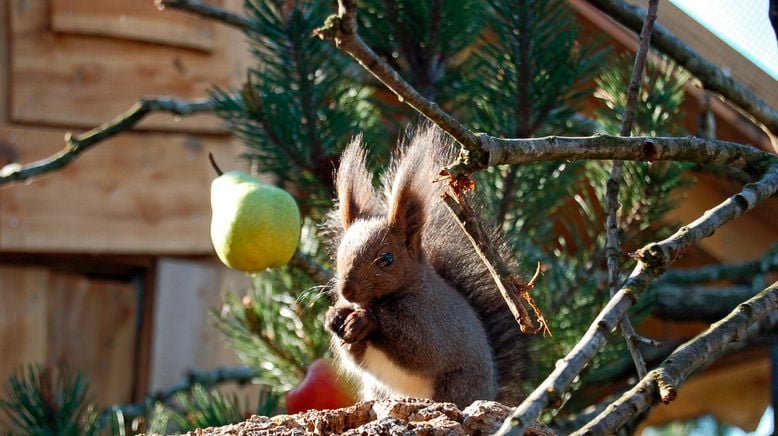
(406, 416)
(134, 20)
(67, 318)
(185, 336)
(136, 193)
(67, 79)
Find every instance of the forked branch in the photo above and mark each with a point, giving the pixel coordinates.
(661, 384)
(652, 259)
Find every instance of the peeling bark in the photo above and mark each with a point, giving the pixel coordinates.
(405, 416)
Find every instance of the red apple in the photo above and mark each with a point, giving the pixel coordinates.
(320, 389)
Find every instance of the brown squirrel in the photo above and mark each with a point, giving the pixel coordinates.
(417, 313)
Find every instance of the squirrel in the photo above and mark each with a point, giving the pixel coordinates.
(416, 312)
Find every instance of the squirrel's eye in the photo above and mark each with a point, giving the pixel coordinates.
(385, 259)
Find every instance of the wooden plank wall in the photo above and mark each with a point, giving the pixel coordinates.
(72, 65)
(57, 317)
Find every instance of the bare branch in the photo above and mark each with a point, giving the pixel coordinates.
(205, 10)
(77, 144)
(712, 78)
(653, 259)
(638, 68)
(691, 149)
(613, 184)
(662, 382)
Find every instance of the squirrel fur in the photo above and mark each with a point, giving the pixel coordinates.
(416, 312)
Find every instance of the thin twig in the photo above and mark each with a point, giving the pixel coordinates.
(512, 292)
(662, 382)
(613, 184)
(712, 78)
(77, 144)
(638, 68)
(204, 10)
(652, 259)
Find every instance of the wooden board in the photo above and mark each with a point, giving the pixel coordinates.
(4, 56)
(134, 20)
(91, 327)
(139, 193)
(184, 335)
(56, 317)
(83, 81)
(22, 317)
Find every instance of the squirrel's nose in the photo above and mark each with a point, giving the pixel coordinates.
(347, 288)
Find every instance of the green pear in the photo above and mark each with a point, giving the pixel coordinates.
(254, 226)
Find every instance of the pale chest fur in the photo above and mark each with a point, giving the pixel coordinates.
(399, 381)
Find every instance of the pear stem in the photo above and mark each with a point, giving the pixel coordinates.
(214, 165)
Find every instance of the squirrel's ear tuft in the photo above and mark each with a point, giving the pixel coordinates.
(356, 196)
(406, 217)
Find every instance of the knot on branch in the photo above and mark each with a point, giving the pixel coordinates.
(648, 151)
(653, 255)
(667, 389)
(331, 28)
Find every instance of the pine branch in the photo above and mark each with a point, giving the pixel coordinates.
(732, 271)
(702, 303)
(712, 78)
(318, 272)
(207, 378)
(205, 10)
(77, 144)
(652, 259)
(42, 400)
(613, 184)
(662, 382)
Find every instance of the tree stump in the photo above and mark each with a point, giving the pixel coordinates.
(403, 416)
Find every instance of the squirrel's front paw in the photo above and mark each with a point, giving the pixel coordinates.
(335, 317)
(358, 325)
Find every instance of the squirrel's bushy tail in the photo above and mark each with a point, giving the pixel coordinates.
(452, 255)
